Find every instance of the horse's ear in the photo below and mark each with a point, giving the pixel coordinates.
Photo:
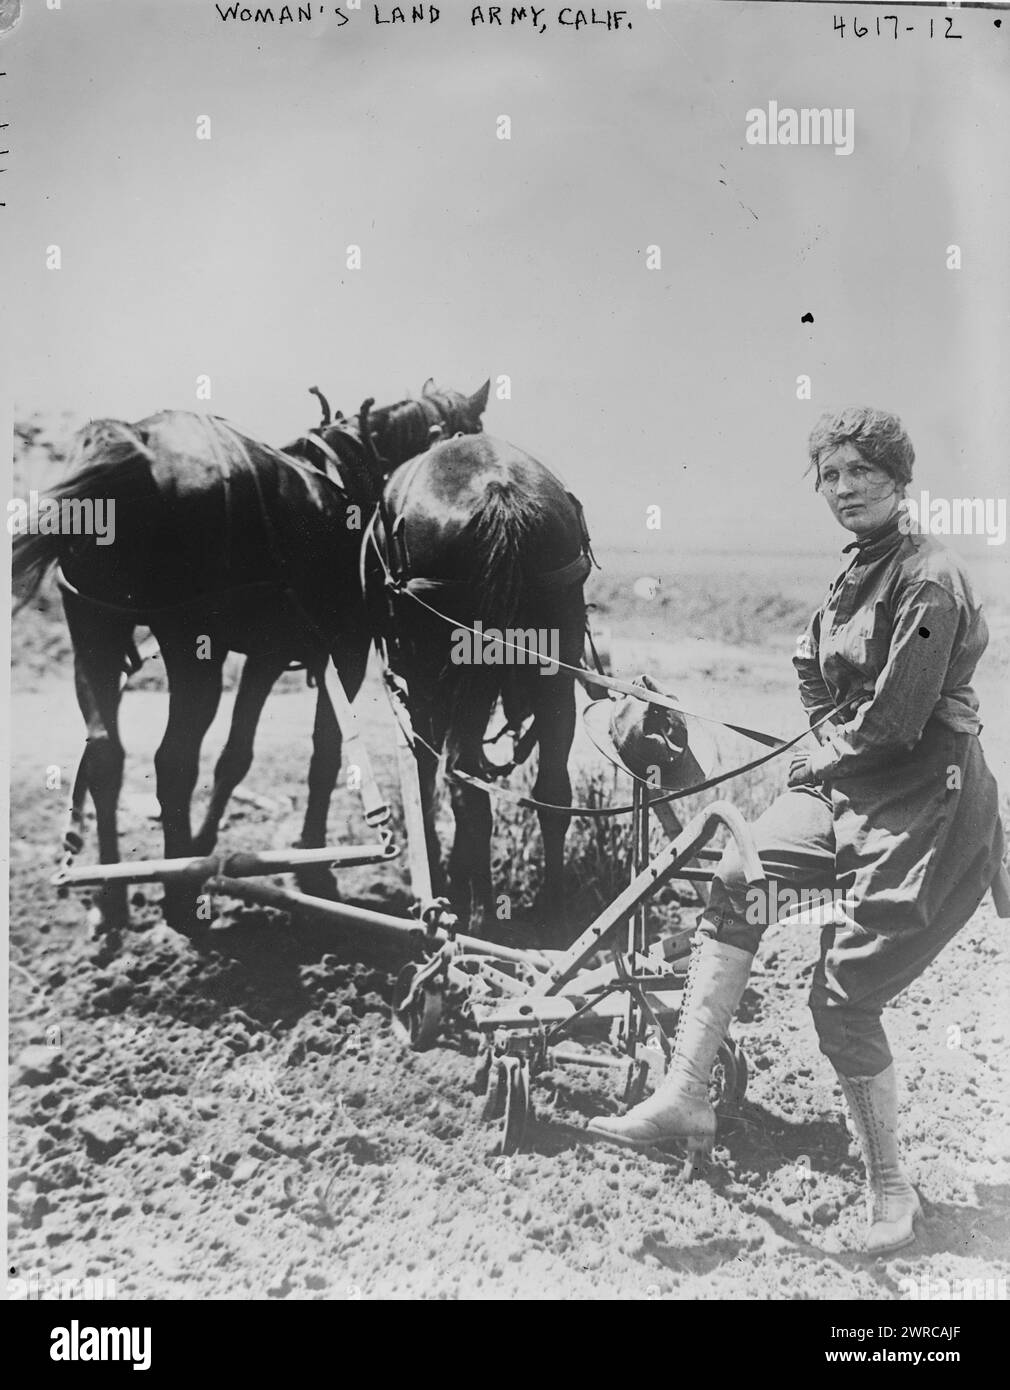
(428, 389)
(478, 401)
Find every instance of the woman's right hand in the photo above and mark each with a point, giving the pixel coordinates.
(800, 774)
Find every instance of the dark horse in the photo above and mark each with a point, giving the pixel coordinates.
(221, 544)
(479, 530)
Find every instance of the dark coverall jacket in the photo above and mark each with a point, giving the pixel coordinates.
(904, 821)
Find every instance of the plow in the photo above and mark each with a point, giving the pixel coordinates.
(536, 1010)
(608, 1002)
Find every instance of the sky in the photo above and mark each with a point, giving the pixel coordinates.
(525, 257)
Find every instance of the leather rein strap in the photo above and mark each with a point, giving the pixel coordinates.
(398, 703)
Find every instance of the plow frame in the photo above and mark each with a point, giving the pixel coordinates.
(530, 1007)
(528, 1010)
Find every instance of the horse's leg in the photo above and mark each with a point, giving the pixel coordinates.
(194, 684)
(99, 643)
(554, 711)
(470, 860)
(74, 830)
(324, 767)
(259, 675)
(427, 772)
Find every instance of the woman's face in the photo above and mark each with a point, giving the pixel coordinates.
(861, 495)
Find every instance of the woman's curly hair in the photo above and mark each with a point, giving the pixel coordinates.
(879, 437)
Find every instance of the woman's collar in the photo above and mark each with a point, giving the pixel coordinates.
(878, 541)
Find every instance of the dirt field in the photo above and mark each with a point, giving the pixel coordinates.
(244, 1124)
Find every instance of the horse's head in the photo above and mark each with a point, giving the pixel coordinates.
(401, 431)
(458, 414)
(393, 434)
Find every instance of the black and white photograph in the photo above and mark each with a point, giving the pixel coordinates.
(509, 626)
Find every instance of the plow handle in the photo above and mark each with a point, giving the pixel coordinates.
(734, 822)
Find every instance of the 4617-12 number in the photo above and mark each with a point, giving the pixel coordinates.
(888, 26)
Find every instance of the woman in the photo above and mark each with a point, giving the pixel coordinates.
(895, 809)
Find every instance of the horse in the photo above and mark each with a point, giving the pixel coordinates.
(472, 539)
(221, 544)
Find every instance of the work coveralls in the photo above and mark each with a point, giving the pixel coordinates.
(904, 819)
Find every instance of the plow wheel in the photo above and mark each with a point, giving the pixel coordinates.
(729, 1075)
(417, 1012)
(494, 1087)
(508, 1100)
(636, 1076)
(742, 1073)
(482, 1076)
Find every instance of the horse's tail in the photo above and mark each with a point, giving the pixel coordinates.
(105, 456)
(497, 537)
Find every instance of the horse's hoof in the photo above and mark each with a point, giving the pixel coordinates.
(186, 912)
(107, 917)
(105, 948)
(197, 934)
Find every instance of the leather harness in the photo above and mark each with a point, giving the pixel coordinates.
(386, 536)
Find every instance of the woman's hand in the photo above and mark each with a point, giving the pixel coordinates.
(800, 774)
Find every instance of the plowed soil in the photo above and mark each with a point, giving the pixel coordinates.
(242, 1122)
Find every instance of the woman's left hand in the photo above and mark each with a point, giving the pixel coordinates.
(800, 774)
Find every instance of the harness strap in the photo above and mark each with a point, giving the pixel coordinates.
(346, 434)
(64, 583)
(329, 454)
(592, 648)
(376, 808)
(393, 567)
(587, 544)
(572, 573)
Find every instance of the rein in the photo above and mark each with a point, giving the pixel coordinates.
(573, 572)
(593, 678)
(398, 704)
(410, 588)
